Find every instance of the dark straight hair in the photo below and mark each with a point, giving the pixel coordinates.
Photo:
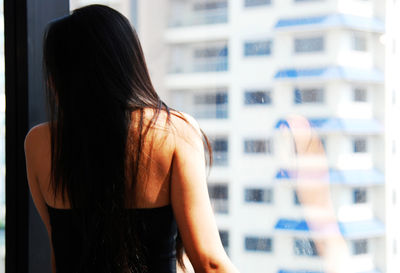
(96, 76)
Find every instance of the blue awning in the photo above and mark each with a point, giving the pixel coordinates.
(331, 73)
(333, 20)
(349, 230)
(345, 177)
(349, 126)
(297, 271)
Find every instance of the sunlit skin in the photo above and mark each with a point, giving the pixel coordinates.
(314, 195)
(172, 172)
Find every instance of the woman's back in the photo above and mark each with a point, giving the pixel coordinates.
(150, 200)
(154, 171)
(112, 145)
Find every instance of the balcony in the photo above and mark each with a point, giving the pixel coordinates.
(198, 13)
(206, 65)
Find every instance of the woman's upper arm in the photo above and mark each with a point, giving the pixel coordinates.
(33, 148)
(191, 203)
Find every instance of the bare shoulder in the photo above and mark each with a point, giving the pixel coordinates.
(38, 136)
(186, 124)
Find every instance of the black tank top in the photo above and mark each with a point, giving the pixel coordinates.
(158, 233)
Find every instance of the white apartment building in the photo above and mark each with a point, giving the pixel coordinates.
(241, 68)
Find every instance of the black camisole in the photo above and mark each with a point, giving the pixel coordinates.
(158, 233)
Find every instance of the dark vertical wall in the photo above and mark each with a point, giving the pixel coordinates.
(37, 18)
(27, 246)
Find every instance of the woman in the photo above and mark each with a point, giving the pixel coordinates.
(116, 173)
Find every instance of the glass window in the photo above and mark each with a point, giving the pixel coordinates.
(359, 196)
(198, 57)
(220, 150)
(211, 105)
(253, 3)
(210, 5)
(257, 146)
(254, 243)
(254, 97)
(256, 195)
(224, 235)
(258, 48)
(296, 200)
(359, 94)
(229, 81)
(359, 42)
(360, 247)
(305, 247)
(360, 145)
(313, 44)
(219, 196)
(308, 95)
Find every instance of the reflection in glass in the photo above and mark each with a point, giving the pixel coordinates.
(297, 129)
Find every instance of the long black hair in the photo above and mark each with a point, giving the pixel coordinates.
(96, 76)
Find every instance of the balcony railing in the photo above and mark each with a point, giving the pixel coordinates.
(206, 65)
(211, 111)
(204, 17)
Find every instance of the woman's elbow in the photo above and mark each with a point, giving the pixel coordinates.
(215, 265)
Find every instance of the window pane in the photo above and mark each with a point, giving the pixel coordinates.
(219, 197)
(305, 247)
(360, 247)
(314, 44)
(359, 196)
(257, 146)
(255, 195)
(360, 145)
(244, 69)
(258, 244)
(259, 48)
(360, 94)
(252, 3)
(308, 95)
(257, 97)
(359, 42)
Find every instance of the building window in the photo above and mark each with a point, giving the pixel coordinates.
(220, 151)
(210, 59)
(296, 200)
(360, 145)
(209, 5)
(211, 105)
(360, 94)
(313, 44)
(255, 195)
(360, 247)
(224, 235)
(263, 244)
(253, 3)
(359, 196)
(359, 42)
(257, 146)
(305, 247)
(219, 196)
(257, 97)
(257, 48)
(308, 95)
